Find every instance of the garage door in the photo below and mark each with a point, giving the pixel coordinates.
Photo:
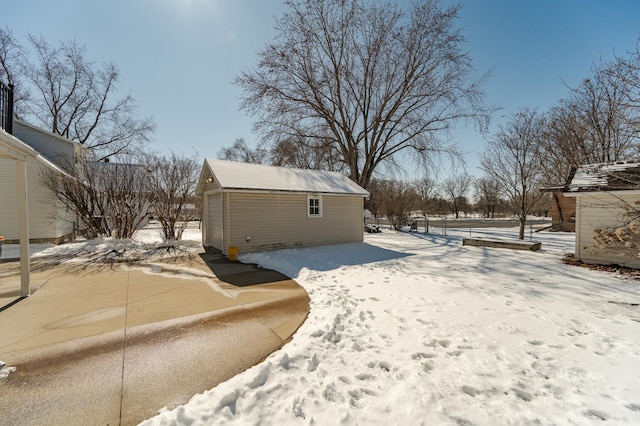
(214, 226)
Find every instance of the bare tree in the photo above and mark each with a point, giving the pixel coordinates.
(11, 59)
(109, 199)
(72, 97)
(599, 102)
(513, 159)
(173, 182)
(396, 199)
(455, 191)
(241, 152)
(598, 122)
(373, 78)
(303, 154)
(563, 144)
(373, 202)
(487, 193)
(439, 206)
(626, 69)
(426, 189)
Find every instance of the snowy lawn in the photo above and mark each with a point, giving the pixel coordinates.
(410, 329)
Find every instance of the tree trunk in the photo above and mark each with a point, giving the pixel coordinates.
(523, 221)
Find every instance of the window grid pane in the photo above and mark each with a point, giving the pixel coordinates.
(314, 207)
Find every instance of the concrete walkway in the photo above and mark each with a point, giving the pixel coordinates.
(108, 344)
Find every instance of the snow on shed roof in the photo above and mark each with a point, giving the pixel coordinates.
(259, 177)
(605, 177)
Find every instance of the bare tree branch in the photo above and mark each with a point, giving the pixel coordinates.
(513, 160)
(173, 182)
(72, 97)
(455, 191)
(109, 199)
(373, 79)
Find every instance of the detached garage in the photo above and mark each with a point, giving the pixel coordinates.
(256, 207)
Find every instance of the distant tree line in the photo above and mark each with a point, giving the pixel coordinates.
(400, 202)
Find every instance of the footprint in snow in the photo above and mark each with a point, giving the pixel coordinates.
(331, 394)
(522, 394)
(344, 379)
(313, 363)
(470, 390)
(365, 377)
(435, 343)
(601, 415)
(357, 394)
(383, 365)
(298, 412)
(426, 323)
(428, 366)
(423, 355)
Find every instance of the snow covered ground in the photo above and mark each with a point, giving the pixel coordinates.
(411, 329)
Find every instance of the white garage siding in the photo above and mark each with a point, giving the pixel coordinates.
(597, 212)
(48, 220)
(275, 221)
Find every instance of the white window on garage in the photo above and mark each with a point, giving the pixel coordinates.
(314, 206)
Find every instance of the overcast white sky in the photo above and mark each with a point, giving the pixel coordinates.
(178, 57)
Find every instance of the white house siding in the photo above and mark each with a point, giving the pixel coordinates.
(47, 220)
(274, 221)
(597, 212)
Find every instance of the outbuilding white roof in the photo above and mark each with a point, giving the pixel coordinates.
(232, 175)
(618, 176)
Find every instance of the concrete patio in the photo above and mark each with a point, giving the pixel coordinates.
(115, 343)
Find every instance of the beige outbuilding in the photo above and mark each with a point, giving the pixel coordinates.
(607, 213)
(256, 207)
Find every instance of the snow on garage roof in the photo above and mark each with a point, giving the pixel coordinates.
(605, 177)
(232, 175)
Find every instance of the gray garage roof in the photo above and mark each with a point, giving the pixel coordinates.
(231, 175)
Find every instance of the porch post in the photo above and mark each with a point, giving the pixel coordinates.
(23, 221)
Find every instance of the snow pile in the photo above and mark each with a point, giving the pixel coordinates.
(5, 371)
(146, 244)
(414, 329)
